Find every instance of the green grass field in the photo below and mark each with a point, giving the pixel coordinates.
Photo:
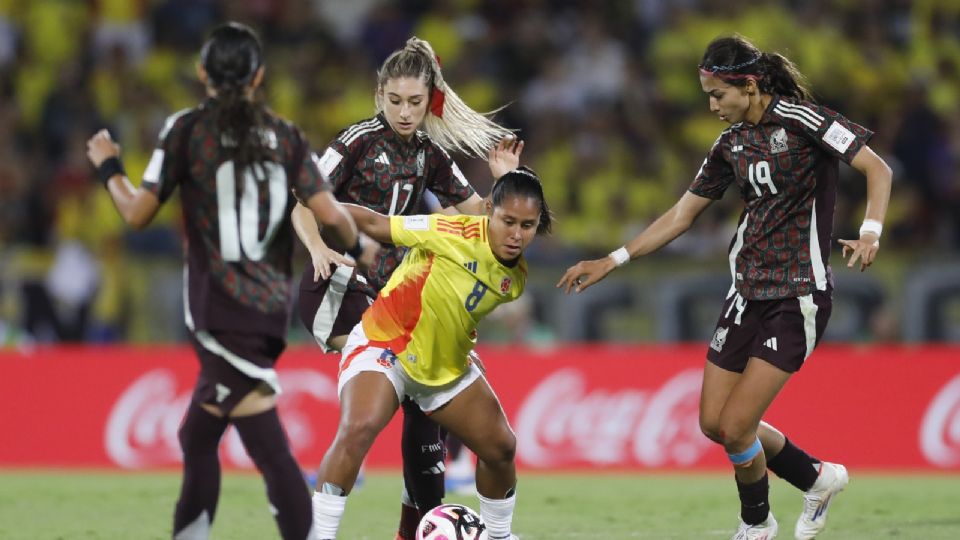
(54, 505)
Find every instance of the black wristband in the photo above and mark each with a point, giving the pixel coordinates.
(356, 250)
(109, 167)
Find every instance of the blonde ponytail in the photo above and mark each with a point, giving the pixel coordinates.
(457, 127)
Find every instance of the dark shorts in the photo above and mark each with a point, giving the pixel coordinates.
(232, 365)
(330, 307)
(783, 332)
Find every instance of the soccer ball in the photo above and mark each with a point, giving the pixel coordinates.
(451, 522)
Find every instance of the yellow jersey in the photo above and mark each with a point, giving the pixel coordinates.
(428, 312)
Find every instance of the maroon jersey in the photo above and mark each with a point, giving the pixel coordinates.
(370, 165)
(786, 167)
(239, 237)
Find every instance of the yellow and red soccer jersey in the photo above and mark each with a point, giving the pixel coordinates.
(427, 313)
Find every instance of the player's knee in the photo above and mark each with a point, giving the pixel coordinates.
(358, 434)
(499, 450)
(735, 438)
(711, 429)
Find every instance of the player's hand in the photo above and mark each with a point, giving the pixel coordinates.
(505, 157)
(865, 250)
(100, 147)
(585, 273)
(324, 259)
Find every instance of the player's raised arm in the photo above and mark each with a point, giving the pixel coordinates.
(137, 206)
(879, 179)
(661, 232)
(502, 159)
(374, 225)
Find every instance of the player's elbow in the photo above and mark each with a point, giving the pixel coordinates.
(136, 220)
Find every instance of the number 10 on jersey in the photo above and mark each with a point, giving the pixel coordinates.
(244, 229)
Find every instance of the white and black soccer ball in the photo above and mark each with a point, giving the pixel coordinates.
(451, 522)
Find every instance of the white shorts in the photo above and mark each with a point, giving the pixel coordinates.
(429, 398)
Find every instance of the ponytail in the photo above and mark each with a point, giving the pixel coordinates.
(781, 76)
(232, 56)
(735, 60)
(450, 122)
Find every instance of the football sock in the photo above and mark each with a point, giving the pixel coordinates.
(754, 501)
(199, 436)
(423, 464)
(795, 466)
(409, 520)
(265, 441)
(497, 514)
(327, 513)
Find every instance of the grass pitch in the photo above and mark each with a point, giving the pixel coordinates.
(55, 505)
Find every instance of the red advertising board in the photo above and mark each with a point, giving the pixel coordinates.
(573, 407)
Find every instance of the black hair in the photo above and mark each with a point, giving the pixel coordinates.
(735, 60)
(523, 182)
(231, 56)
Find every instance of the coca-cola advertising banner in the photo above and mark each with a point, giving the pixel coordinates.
(573, 407)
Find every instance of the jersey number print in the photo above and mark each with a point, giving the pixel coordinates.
(243, 230)
(473, 299)
(759, 173)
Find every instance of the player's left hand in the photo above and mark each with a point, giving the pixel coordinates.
(585, 273)
(864, 249)
(100, 147)
(324, 259)
(505, 157)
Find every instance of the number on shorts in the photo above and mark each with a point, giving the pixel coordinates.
(473, 299)
(242, 231)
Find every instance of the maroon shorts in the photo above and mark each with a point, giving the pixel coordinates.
(232, 365)
(330, 307)
(783, 332)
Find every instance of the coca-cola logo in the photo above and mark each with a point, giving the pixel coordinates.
(141, 430)
(561, 422)
(940, 430)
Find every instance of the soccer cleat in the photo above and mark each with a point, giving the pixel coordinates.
(762, 531)
(833, 478)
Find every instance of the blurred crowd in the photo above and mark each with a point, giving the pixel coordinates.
(605, 94)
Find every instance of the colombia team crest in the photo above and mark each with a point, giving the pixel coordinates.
(505, 285)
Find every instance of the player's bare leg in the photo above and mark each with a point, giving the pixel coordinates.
(476, 417)
(367, 403)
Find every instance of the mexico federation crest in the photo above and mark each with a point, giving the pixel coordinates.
(505, 285)
(778, 142)
(719, 338)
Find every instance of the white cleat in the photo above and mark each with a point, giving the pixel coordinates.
(762, 531)
(833, 478)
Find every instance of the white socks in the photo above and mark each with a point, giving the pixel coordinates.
(497, 514)
(327, 513)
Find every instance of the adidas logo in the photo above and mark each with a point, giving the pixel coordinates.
(471, 266)
(771, 343)
(383, 159)
(222, 392)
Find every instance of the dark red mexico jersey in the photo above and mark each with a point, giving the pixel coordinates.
(786, 168)
(370, 165)
(239, 236)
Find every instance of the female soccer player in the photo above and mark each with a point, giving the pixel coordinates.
(390, 163)
(235, 162)
(782, 150)
(415, 339)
